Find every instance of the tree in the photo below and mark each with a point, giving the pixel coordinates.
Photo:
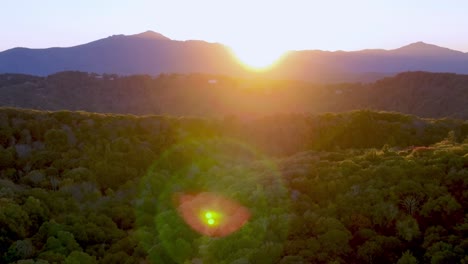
(56, 139)
(293, 260)
(441, 252)
(79, 174)
(268, 253)
(7, 158)
(380, 249)
(335, 242)
(14, 223)
(369, 251)
(407, 258)
(21, 249)
(118, 257)
(37, 212)
(410, 203)
(77, 257)
(63, 243)
(408, 228)
(443, 205)
(5, 134)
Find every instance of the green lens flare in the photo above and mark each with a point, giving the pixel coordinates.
(208, 215)
(211, 200)
(211, 217)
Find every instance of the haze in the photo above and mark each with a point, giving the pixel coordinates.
(233, 132)
(249, 27)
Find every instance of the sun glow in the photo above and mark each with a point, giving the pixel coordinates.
(257, 58)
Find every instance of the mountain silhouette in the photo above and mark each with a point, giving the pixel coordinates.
(421, 48)
(152, 53)
(145, 53)
(151, 35)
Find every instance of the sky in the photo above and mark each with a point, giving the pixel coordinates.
(252, 26)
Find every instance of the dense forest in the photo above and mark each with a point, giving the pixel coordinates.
(353, 187)
(431, 95)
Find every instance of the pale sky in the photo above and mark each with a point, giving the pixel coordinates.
(255, 25)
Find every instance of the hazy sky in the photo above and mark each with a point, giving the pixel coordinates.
(253, 25)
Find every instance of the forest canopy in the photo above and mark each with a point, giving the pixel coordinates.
(353, 187)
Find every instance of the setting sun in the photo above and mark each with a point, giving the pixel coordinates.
(257, 58)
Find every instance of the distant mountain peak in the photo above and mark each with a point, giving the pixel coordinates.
(150, 35)
(421, 47)
(420, 43)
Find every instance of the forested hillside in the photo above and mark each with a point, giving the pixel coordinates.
(423, 94)
(354, 187)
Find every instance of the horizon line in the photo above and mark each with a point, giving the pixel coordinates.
(229, 46)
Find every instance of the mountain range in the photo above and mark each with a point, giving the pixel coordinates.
(152, 53)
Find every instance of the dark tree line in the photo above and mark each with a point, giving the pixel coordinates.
(431, 95)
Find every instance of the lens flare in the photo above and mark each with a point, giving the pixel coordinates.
(211, 217)
(211, 200)
(211, 214)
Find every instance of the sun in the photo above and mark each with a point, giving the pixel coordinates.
(257, 58)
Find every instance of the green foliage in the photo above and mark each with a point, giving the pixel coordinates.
(358, 187)
(77, 257)
(408, 228)
(407, 258)
(63, 243)
(79, 174)
(56, 140)
(292, 260)
(442, 252)
(21, 249)
(14, 222)
(5, 135)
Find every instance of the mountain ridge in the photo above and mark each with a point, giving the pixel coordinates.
(150, 34)
(152, 53)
